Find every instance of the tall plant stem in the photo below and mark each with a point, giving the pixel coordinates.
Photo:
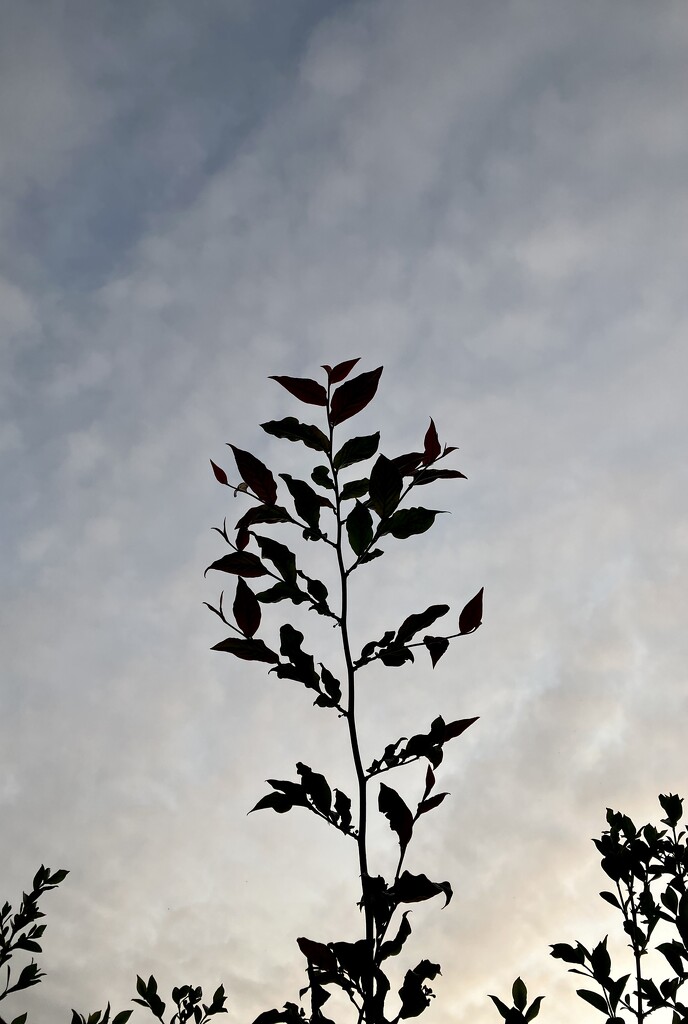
(367, 979)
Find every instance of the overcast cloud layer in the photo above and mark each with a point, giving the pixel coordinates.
(488, 198)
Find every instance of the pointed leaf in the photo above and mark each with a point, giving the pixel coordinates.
(519, 994)
(411, 625)
(472, 615)
(303, 388)
(263, 514)
(256, 474)
(385, 487)
(282, 592)
(220, 474)
(274, 801)
(316, 786)
(594, 998)
(426, 476)
(454, 729)
(246, 609)
(359, 528)
(534, 1009)
(342, 806)
(394, 808)
(247, 650)
(354, 489)
(408, 464)
(502, 1007)
(318, 953)
(436, 646)
(340, 371)
(408, 522)
(241, 563)
(306, 502)
(281, 557)
(432, 447)
(321, 477)
(428, 805)
(357, 449)
(417, 888)
(394, 946)
(354, 395)
(291, 429)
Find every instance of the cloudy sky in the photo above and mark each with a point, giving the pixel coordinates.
(488, 198)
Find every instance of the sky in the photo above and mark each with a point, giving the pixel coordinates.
(488, 199)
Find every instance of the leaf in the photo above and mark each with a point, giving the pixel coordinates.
(357, 449)
(342, 807)
(247, 650)
(354, 489)
(413, 623)
(502, 1007)
(436, 646)
(306, 502)
(408, 464)
(394, 946)
(428, 805)
(673, 952)
(454, 729)
(400, 819)
(426, 476)
(274, 801)
(220, 474)
(340, 371)
(303, 388)
(594, 998)
(431, 445)
(415, 996)
(534, 1009)
(385, 487)
(316, 786)
(359, 528)
(292, 430)
(354, 395)
(417, 888)
(472, 615)
(395, 657)
(519, 994)
(408, 522)
(122, 1017)
(256, 474)
(318, 953)
(281, 557)
(263, 514)
(241, 563)
(611, 898)
(246, 609)
(321, 477)
(282, 592)
(331, 685)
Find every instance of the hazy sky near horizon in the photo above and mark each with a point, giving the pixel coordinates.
(487, 198)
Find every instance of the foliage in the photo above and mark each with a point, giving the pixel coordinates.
(352, 514)
(649, 868)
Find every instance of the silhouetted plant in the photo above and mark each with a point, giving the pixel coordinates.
(649, 868)
(351, 517)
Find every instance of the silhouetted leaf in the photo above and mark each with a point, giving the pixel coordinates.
(354, 395)
(331, 685)
(321, 477)
(220, 474)
(263, 514)
(534, 1009)
(502, 1007)
(247, 650)
(303, 388)
(385, 487)
(428, 805)
(241, 563)
(436, 646)
(394, 946)
(282, 592)
(306, 502)
(316, 786)
(301, 667)
(569, 954)
(246, 609)
(594, 998)
(413, 623)
(454, 729)
(342, 806)
(394, 808)
(674, 953)
(256, 474)
(281, 557)
(407, 522)
(417, 888)
(273, 801)
(472, 615)
(369, 648)
(316, 588)
(415, 996)
(357, 449)
(292, 430)
(609, 897)
(354, 489)
(359, 528)
(318, 953)
(426, 476)
(395, 657)
(519, 994)
(408, 464)
(431, 445)
(340, 371)
(370, 555)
